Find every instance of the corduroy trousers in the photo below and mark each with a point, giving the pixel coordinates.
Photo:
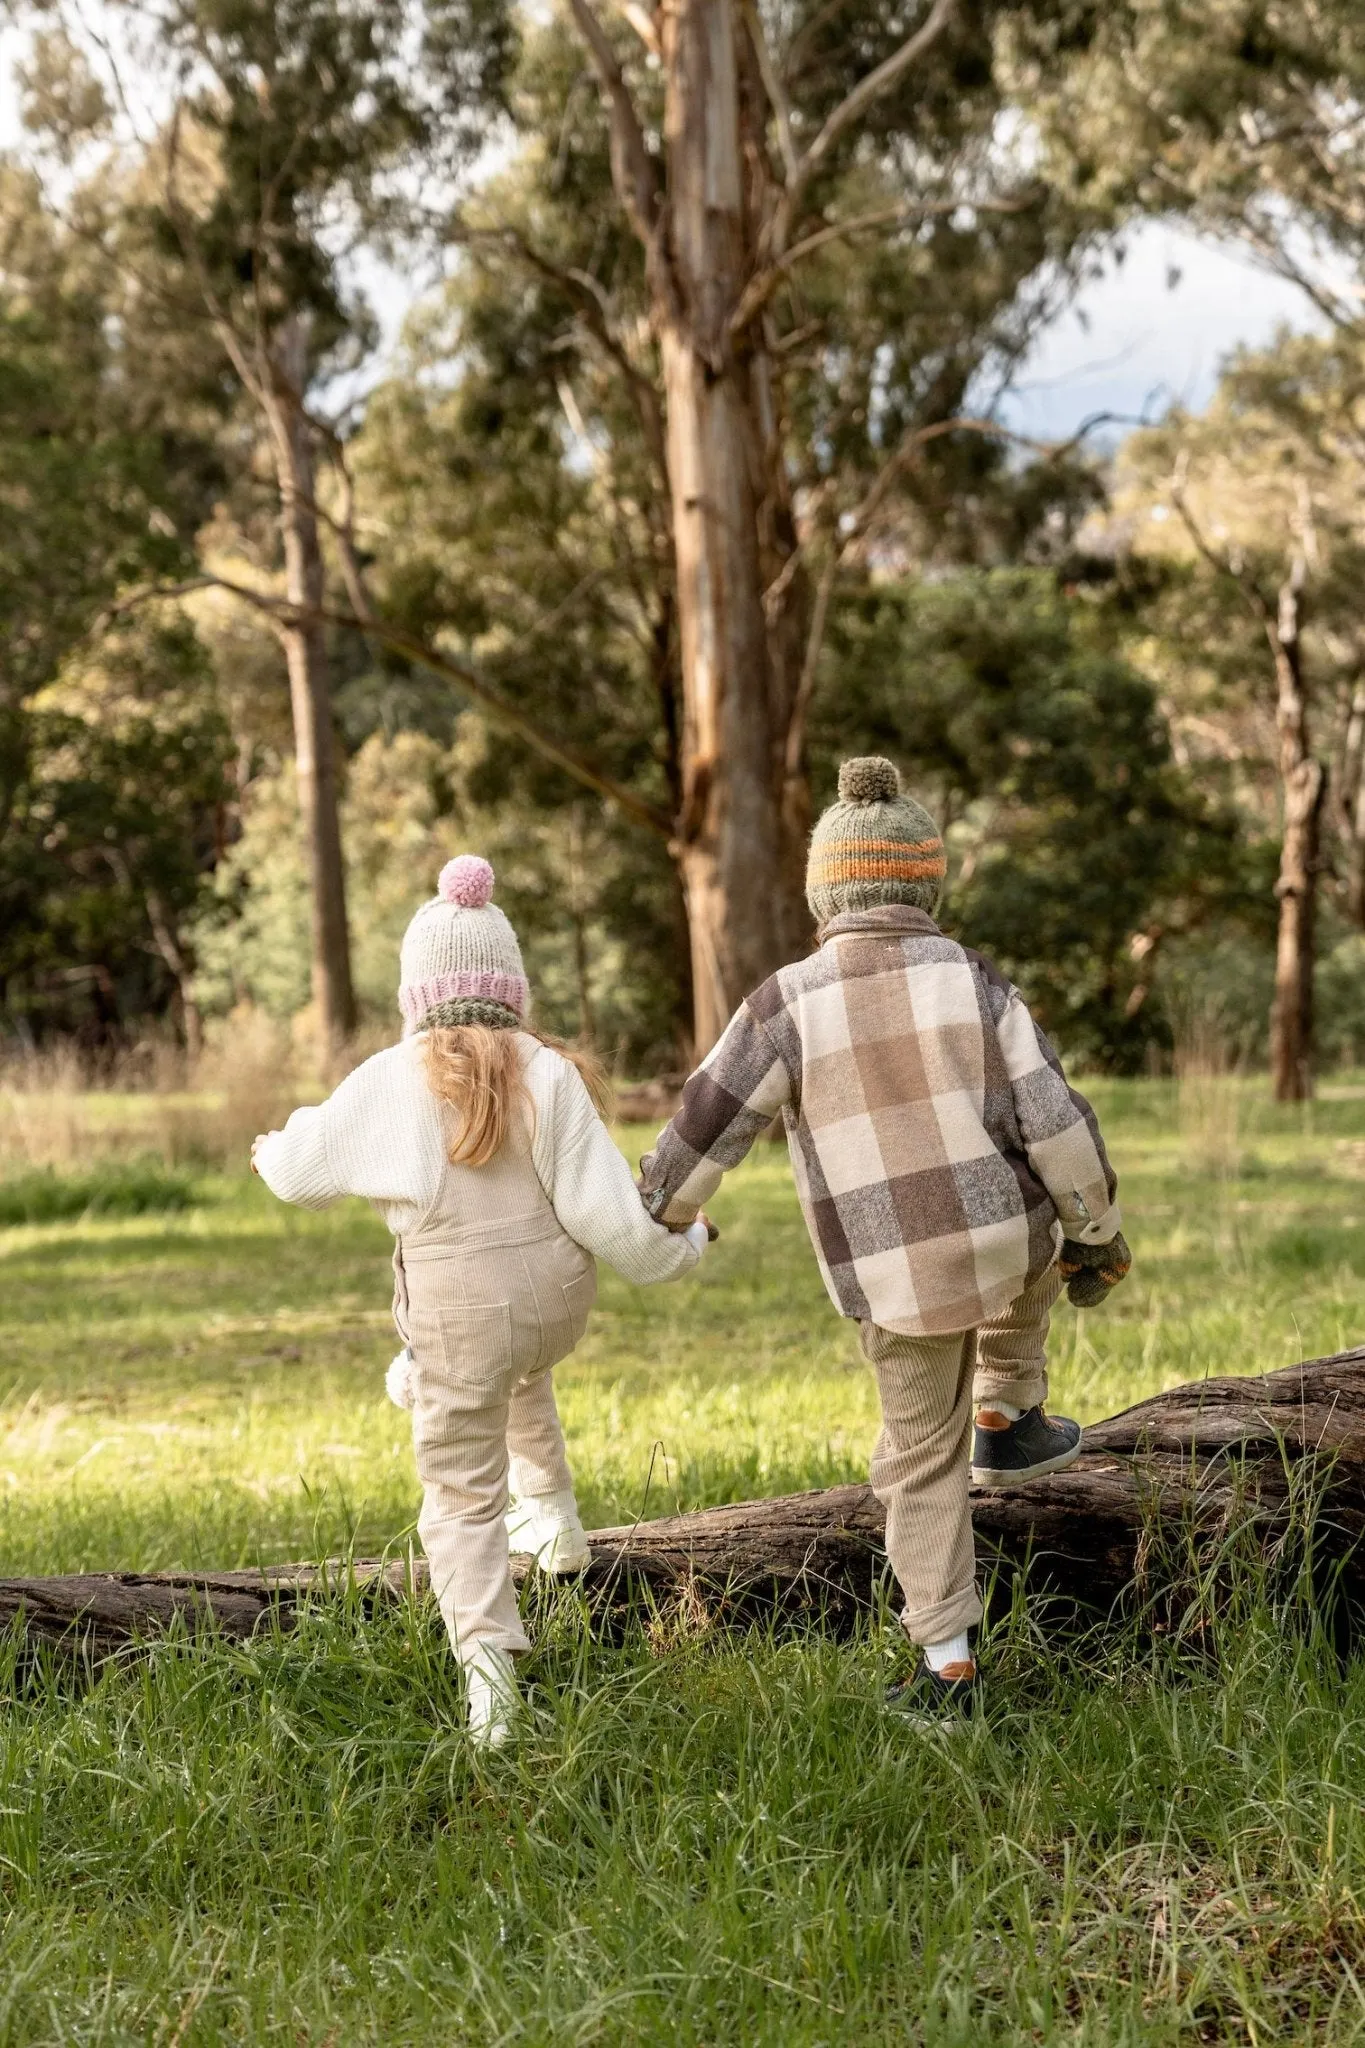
(488, 1312)
(921, 1465)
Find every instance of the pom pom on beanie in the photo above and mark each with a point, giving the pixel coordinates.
(869, 779)
(460, 962)
(466, 881)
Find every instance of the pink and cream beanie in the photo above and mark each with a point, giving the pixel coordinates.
(460, 962)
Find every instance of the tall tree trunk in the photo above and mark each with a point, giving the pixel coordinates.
(1304, 787)
(737, 843)
(310, 695)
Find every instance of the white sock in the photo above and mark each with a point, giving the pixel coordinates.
(957, 1650)
(1005, 1408)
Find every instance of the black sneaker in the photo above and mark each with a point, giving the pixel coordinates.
(1015, 1451)
(930, 1697)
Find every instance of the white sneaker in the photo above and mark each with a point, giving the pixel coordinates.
(494, 1698)
(545, 1526)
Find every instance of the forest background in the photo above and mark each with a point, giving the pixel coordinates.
(692, 472)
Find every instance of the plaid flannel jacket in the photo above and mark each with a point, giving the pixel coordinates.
(936, 1145)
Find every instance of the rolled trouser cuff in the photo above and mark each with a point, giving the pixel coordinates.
(947, 1618)
(1029, 1390)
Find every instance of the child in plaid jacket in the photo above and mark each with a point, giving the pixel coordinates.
(951, 1180)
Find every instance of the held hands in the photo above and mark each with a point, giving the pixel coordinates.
(685, 1229)
(1091, 1270)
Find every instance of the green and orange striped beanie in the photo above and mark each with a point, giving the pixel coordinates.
(873, 846)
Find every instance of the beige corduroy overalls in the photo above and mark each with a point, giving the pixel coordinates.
(489, 1293)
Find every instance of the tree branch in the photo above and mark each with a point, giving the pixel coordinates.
(588, 294)
(772, 85)
(795, 743)
(219, 317)
(855, 104)
(764, 282)
(855, 528)
(635, 173)
(1255, 599)
(643, 23)
(450, 668)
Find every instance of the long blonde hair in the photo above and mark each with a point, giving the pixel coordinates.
(478, 1071)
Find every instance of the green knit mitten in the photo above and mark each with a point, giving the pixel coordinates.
(1091, 1270)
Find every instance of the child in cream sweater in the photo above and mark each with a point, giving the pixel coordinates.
(483, 1147)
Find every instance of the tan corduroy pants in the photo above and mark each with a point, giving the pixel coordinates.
(489, 1293)
(921, 1465)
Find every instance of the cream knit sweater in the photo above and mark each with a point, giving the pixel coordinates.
(381, 1135)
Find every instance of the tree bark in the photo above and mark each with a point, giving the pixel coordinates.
(1304, 787)
(741, 863)
(1269, 1469)
(304, 640)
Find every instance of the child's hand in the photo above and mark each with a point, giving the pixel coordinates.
(256, 1145)
(685, 1229)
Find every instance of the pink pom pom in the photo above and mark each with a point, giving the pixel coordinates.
(466, 881)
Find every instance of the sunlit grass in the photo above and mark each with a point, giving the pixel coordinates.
(703, 1840)
(207, 1387)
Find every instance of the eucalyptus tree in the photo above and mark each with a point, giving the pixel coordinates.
(1259, 495)
(757, 276)
(752, 151)
(236, 158)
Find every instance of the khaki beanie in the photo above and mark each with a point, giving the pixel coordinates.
(873, 846)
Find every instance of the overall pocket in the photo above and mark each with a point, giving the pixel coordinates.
(464, 1349)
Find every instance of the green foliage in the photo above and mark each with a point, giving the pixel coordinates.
(137, 1187)
(80, 492)
(295, 114)
(1046, 756)
(112, 822)
(511, 494)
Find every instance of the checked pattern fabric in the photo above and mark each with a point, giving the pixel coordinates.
(936, 1144)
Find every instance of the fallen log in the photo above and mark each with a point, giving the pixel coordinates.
(1253, 1462)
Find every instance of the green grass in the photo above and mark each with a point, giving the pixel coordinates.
(137, 1187)
(705, 1839)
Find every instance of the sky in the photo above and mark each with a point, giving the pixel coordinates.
(1149, 330)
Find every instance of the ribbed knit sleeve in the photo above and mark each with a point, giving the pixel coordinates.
(293, 1162)
(589, 1184)
(378, 1136)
